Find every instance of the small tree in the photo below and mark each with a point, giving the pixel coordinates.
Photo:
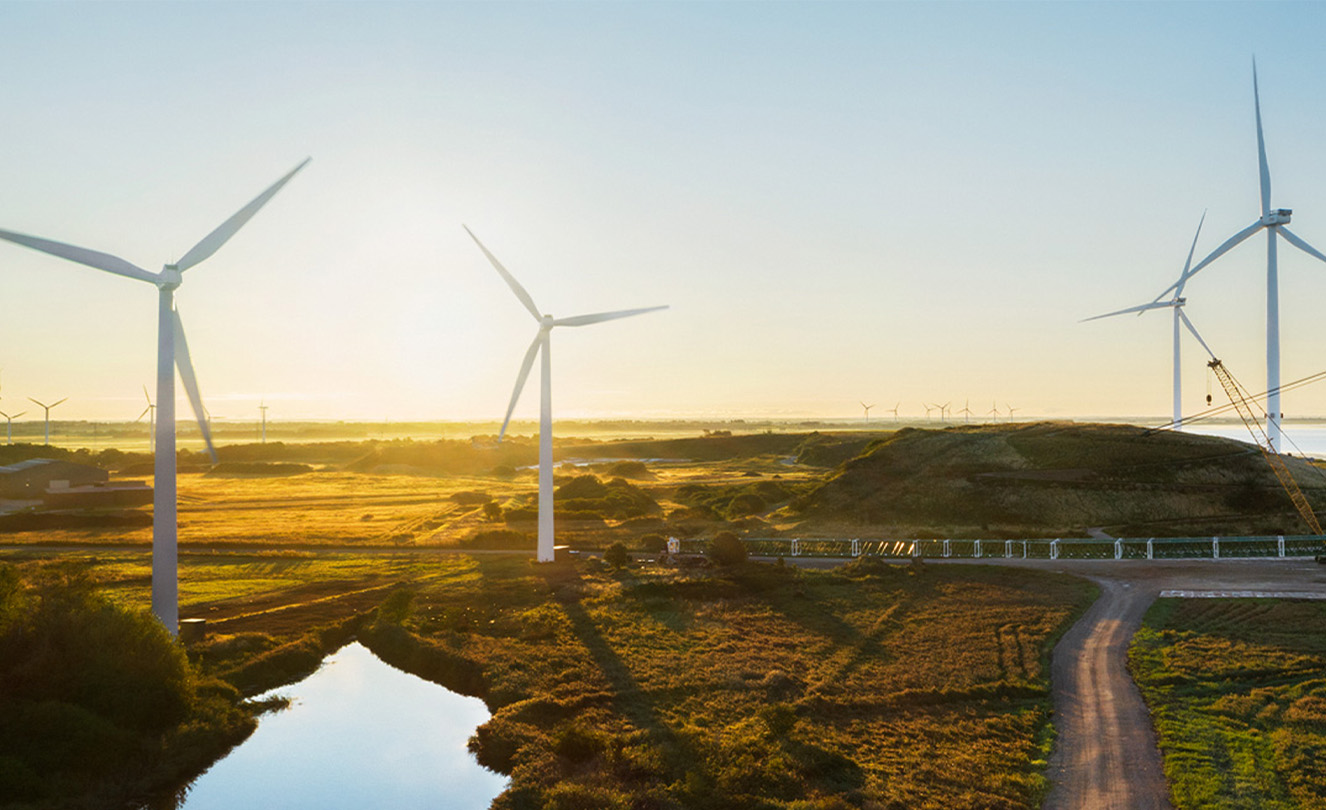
(617, 556)
(727, 549)
(492, 511)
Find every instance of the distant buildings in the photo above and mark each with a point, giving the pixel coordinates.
(68, 485)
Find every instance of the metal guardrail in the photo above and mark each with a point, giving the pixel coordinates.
(1132, 548)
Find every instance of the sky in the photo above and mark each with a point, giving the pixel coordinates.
(840, 202)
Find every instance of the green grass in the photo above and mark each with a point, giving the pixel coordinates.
(1237, 689)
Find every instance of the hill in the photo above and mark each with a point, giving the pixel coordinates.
(1057, 480)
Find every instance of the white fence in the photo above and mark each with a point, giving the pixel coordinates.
(1149, 548)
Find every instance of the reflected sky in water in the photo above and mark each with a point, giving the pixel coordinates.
(358, 734)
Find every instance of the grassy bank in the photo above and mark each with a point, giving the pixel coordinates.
(757, 686)
(1237, 688)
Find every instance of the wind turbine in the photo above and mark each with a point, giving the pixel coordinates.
(994, 411)
(263, 407)
(47, 408)
(966, 411)
(542, 345)
(9, 425)
(172, 353)
(1175, 303)
(928, 409)
(151, 413)
(867, 407)
(1011, 411)
(1274, 220)
(894, 411)
(944, 411)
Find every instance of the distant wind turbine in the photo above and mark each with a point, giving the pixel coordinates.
(1011, 411)
(945, 411)
(172, 353)
(9, 425)
(994, 411)
(894, 411)
(47, 408)
(542, 345)
(966, 411)
(1175, 302)
(928, 409)
(867, 407)
(151, 413)
(1275, 221)
(263, 407)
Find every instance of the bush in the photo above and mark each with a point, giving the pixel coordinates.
(492, 511)
(727, 549)
(617, 556)
(654, 543)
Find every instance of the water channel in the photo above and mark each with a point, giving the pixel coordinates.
(358, 734)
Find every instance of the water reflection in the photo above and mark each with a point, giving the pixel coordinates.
(358, 734)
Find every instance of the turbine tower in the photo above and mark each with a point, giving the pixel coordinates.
(9, 425)
(1274, 220)
(1175, 303)
(867, 407)
(172, 353)
(47, 408)
(151, 413)
(894, 411)
(966, 412)
(263, 407)
(542, 346)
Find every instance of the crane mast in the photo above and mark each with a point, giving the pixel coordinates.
(1241, 404)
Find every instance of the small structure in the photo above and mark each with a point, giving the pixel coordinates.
(119, 495)
(30, 479)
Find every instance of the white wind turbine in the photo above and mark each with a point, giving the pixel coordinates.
(1274, 221)
(542, 345)
(894, 411)
(151, 413)
(47, 408)
(1175, 303)
(9, 425)
(263, 407)
(867, 407)
(172, 353)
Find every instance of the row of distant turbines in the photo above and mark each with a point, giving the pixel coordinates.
(946, 411)
(1275, 221)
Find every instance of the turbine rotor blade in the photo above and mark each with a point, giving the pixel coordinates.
(91, 258)
(599, 317)
(141, 415)
(58, 401)
(506, 276)
(1262, 168)
(1193, 329)
(1183, 277)
(185, 364)
(1228, 245)
(214, 240)
(1298, 242)
(525, 366)
(1138, 309)
(147, 396)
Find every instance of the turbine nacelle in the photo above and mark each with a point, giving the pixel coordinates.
(171, 277)
(1279, 216)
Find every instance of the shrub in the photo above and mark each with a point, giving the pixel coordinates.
(499, 538)
(492, 511)
(654, 543)
(617, 556)
(727, 549)
(471, 498)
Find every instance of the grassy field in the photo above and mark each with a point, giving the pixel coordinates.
(1237, 688)
(756, 686)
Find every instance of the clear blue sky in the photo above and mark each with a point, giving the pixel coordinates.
(879, 201)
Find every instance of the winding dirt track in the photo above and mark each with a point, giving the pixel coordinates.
(1105, 755)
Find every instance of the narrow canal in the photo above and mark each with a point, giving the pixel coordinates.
(358, 734)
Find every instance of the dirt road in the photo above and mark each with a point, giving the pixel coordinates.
(1105, 756)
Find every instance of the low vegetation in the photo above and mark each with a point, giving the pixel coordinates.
(1237, 688)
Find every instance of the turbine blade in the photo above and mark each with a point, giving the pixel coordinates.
(141, 415)
(1178, 291)
(1261, 144)
(147, 396)
(598, 317)
(214, 240)
(1193, 329)
(525, 366)
(92, 258)
(58, 401)
(30, 399)
(1228, 245)
(185, 364)
(1139, 309)
(1297, 242)
(510, 279)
